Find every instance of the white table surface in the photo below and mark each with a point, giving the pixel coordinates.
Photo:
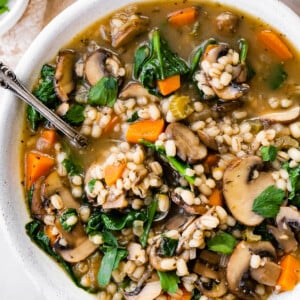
(14, 281)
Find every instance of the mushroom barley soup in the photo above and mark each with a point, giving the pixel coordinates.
(189, 188)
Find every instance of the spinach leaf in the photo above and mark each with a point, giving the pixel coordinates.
(94, 223)
(151, 209)
(198, 54)
(107, 265)
(168, 246)
(71, 167)
(168, 281)
(104, 92)
(294, 178)
(268, 202)
(140, 56)
(277, 76)
(64, 217)
(243, 45)
(222, 242)
(3, 6)
(91, 185)
(33, 117)
(134, 117)
(178, 165)
(109, 239)
(160, 64)
(121, 254)
(268, 153)
(74, 115)
(118, 222)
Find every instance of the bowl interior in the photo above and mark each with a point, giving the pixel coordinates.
(49, 278)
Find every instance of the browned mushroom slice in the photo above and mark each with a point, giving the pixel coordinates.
(188, 146)
(216, 52)
(135, 90)
(238, 266)
(102, 63)
(284, 116)
(78, 253)
(227, 23)
(64, 81)
(233, 91)
(38, 209)
(207, 140)
(240, 188)
(53, 184)
(130, 27)
(286, 218)
(267, 274)
(150, 291)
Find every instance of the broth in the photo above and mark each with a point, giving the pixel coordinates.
(172, 196)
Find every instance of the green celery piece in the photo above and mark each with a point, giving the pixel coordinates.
(107, 266)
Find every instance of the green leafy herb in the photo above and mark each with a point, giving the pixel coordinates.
(30, 195)
(222, 242)
(243, 45)
(160, 64)
(91, 185)
(168, 281)
(94, 223)
(168, 246)
(134, 117)
(268, 153)
(65, 217)
(198, 54)
(45, 92)
(277, 77)
(72, 168)
(74, 115)
(150, 216)
(104, 92)
(294, 178)
(178, 165)
(118, 222)
(140, 56)
(3, 6)
(113, 254)
(268, 202)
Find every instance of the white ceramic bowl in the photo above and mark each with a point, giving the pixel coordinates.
(48, 276)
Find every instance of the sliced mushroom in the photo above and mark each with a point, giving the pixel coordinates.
(37, 207)
(284, 116)
(63, 77)
(188, 146)
(149, 292)
(135, 90)
(267, 274)
(215, 52)
(240, 188)
(227, 23)
(226, 106)
(125, 26)
(79, 253)
(53, 184)
(286, 218)
(233, 91)
(210, 269)
(102, 63)
(237, 272)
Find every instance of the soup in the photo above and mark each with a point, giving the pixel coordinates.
(188, 187)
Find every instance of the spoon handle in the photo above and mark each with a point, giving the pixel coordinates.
(8, 80)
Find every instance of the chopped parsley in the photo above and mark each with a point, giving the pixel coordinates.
(222, 242)
(268, 153)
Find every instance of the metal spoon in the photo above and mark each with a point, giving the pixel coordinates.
(8, 80)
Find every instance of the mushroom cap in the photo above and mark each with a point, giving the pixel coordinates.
(150, 291)
(240, 190)
(284, 116)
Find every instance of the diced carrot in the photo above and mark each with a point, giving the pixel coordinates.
(216, 198)
(274, 43)
(49, 135)
(289, 275)
(169, 85)
(145, 129)
(185, 295)
(111, 124)
(49, 232)
(211, 160)
(37, 165)
(113, 172)
(183, 16)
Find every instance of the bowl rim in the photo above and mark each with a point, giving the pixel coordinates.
(13, 221)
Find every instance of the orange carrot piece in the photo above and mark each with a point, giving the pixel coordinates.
(111, 124)
(289, 275)
(274, 43)
(145, 129)
(169, 85)
(184, 296)
(113, 172)
(211, 160)
(49, 135)
(49, 232)
(37, 165)
(183, 16)
(216, 198)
